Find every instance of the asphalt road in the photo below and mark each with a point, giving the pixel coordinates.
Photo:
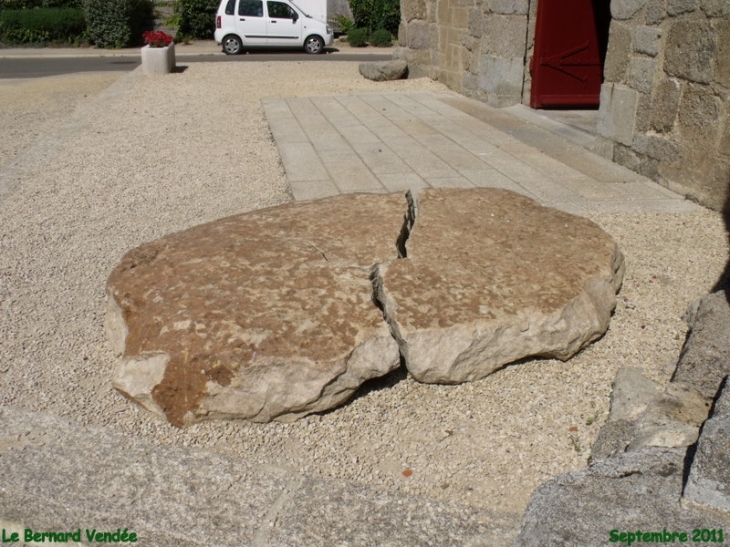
(38, 67)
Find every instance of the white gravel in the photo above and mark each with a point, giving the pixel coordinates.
(152, 155)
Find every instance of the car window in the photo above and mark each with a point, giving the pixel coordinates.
(279, 10)
(251, 8)
(230, 7)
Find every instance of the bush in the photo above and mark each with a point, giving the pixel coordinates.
(357, 37)
(376, 14)
(344, 23)
(41, 25)
(197, 19)
(28, 4)
(115, 24)
(381, 38)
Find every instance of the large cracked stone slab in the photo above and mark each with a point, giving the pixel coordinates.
(265, 315)
(492, 277)
(278, 313)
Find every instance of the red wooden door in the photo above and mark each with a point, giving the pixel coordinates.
(570, 47)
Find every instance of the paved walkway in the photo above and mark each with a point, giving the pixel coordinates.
(387, 142)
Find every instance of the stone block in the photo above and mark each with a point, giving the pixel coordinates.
(722, 58)
(443, 13)
(628, 492)
(699, 114)
(413, 9)
(402, 37)
(641, 73)
(459, 17)
(662, 149)
(619, 50)
(625, 9)
(690, 51)
(639, 144)
(504, 36)
(643, 113)
(705, 358)
(665, 103)
(475, 22)
(617, 113)
(646, 40)
(709, 477)
(716, 8)
(509, 7)
(656, 12)
(419, 35)
(677, 7)
(501, 76)
(725, 132)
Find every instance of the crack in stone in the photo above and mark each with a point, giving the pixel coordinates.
(376, 274)
(409, 221)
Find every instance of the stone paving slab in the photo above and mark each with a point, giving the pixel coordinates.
(56, 476)
(384, 142)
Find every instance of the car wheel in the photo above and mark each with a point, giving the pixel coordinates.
(314, 45)
(232, 45)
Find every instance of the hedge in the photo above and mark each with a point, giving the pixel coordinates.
(115, 24)
(28, 4)
(376, 14)
(197, 19)
(42, 25)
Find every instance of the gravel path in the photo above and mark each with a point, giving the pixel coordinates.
(148, 156)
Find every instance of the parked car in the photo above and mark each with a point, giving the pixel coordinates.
(242, 24)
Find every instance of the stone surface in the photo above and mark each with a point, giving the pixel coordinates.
(709, 478)
(492, 277)
(619, 51)
(677, 7)
(690, 51)
(641, 73)
(617, 113)
(646, 40)
(625, 9)
(260, 316)
(716, 8)
(502, 79)
(722, 58)
(643, 416)
(171, 496)
(673, 420)
(632, 394)
(509, 7)
(705, 358)
(665, 104)
(629, 492)
(381, 71)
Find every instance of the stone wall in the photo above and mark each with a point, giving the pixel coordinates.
(665, 101)
(476, 47)
(665, 109)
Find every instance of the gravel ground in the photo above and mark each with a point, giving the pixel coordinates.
(152, 155)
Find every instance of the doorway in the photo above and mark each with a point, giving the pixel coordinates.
(571, 39)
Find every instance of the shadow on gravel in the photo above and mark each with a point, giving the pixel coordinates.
(376, 384)
(179, 69)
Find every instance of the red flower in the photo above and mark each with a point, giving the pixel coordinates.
(157, 39)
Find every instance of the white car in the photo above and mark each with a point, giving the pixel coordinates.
(241, 24)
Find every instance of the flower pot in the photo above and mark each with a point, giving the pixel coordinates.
(158, 60)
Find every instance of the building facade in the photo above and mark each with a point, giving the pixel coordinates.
(663, 84)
